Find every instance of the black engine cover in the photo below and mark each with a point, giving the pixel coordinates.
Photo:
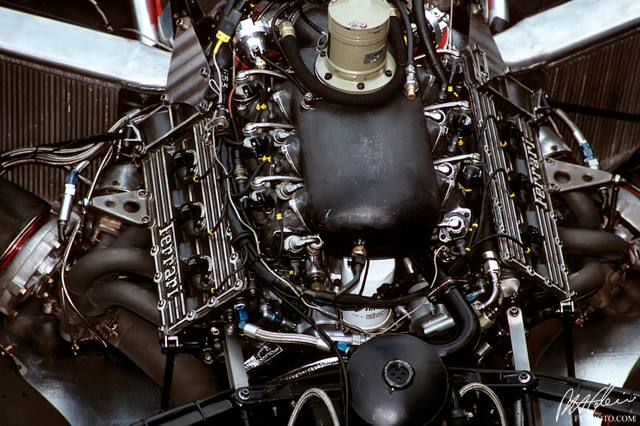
(368, 174)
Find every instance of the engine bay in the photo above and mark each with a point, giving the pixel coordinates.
(334, 212)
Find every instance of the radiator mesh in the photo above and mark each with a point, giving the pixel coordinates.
(41, 105)
(607, 78)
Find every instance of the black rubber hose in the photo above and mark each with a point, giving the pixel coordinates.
(465, 317)
(311, 82)
(589, 242)
(357, 273)
(588, 279)
(306, 19)
(355, 300)
(407, 29)
(228, 7)
(106, 261)
(582, 208)
(138, 340)
(432, 55)
(237, 162)
(126, 294)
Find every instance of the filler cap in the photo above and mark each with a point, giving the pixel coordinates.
(397, 379)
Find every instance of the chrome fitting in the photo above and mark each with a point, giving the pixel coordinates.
(411, 85)
(285, 28)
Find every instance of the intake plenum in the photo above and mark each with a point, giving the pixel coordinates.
(368, 174)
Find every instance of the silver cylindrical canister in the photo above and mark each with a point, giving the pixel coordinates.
(380, 271)
(356, 59)
(358, 28)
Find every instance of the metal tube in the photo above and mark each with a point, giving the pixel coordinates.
(256, 332)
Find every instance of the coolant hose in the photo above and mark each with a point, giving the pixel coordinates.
(464, 317)
(126, 294)
(138, 340)
(311, 82)
(407, 28)
(589, 242)
(588, 279)
(427, 40)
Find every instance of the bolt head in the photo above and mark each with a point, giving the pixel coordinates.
(360, 86)
(182, 24)
(388, 73)
(328, 76)
(524, 378)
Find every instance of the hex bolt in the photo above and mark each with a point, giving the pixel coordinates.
(524, 378)
(244, 394)
(514, 312)
(182, 24)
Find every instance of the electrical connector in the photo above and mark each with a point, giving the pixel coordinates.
(66, 203)
(227, 28)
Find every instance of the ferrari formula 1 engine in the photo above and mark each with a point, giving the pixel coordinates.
(347, 201)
